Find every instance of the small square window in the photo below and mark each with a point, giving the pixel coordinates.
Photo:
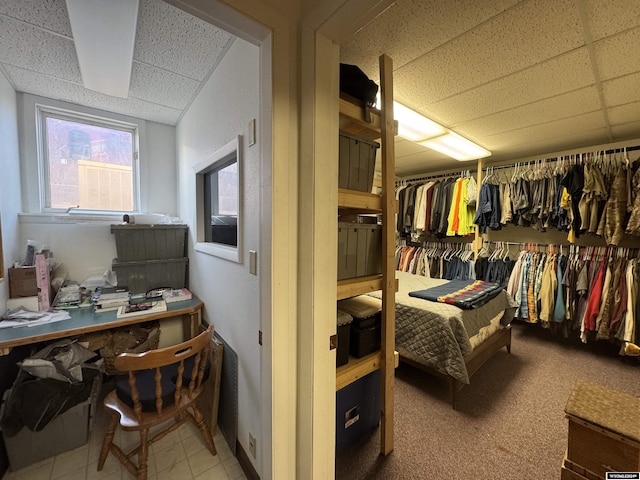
(218, 182)
(88, 163)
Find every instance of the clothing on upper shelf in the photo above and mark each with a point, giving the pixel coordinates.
(439, 208)
(599, 194)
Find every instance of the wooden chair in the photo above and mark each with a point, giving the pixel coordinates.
(159, 386)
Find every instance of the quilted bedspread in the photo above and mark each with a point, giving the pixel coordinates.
(437, 334)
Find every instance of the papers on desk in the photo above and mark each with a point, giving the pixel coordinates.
(21, 317)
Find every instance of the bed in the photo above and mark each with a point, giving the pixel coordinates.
(445, 340)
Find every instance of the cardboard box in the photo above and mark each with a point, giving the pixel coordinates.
(23, 282)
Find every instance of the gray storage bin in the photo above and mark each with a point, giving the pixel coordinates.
(343, 323)
(143, 276)
(359, 250)
(357, 161)
(65, 432)
(150, 242)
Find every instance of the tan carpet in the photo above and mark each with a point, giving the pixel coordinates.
(509, 423)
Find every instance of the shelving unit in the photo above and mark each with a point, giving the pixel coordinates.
(378, 125)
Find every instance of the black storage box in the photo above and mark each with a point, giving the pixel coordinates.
(357, 161)
(344, 329)
(359, 250)
(357, 410)
(366, 326)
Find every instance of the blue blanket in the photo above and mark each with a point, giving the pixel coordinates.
(467, 294)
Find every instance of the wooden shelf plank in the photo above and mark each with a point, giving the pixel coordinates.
(358, 286)
(361, 201)
(353, 122)
(357, 368)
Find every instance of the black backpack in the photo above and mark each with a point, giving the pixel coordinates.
(355, 83)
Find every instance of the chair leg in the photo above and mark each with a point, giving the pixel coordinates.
(204, 429)
(143, 454)
(108, 439)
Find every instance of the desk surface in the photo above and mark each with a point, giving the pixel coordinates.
(85, 320)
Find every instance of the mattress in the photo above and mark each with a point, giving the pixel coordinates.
(440, 335)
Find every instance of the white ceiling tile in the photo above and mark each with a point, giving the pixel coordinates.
(405, 147)
(410, 28)
(622, 114)
(609, 17)
(569, 72)
(627, 131)
(425, 162)
(523, 36)
(48, 14)
(159, 86)
(34, 49)
(622, 90)
(57, 89)
(617, 55)
(548, 110)
(548, 131)
(176, 41)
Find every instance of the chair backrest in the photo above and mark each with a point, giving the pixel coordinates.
(180, 366)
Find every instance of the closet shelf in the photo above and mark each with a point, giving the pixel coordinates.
(357, 368)
(360, 201)
(361, 285)
(353, 122)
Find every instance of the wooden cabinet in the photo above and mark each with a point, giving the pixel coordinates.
(380, 126)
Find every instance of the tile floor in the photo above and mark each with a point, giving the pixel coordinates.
(180, 455)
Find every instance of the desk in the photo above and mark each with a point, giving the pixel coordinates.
(84, 320)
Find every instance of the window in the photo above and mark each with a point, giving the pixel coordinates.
(88, 163)
(218, 203)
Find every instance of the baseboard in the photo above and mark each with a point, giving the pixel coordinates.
(245, 463)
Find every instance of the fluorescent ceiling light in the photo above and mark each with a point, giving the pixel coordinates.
(413, 126)
(418, 128)
(456, 146)
(104, 34)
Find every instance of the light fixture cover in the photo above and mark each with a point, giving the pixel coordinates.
(456, 146)
(104, 34)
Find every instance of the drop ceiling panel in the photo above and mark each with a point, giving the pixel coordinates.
(48, 14)
(627, 131)
(622, 90)
(618, 55)
(609, 17)
(548, 131)
(174, 40)
(405, 147)
(161, 87)
(552, 109)
(624, 114)
(35, 49)
(417, 26)
(569, 72)
(523, 36)
(428, 161)
(70, 92)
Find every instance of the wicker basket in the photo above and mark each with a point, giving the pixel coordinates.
(130, 340)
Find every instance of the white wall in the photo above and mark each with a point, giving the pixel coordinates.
(9, 180)
(222, 110)
(88, 248)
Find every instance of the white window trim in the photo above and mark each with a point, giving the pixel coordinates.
(220, 156)
(44, 111)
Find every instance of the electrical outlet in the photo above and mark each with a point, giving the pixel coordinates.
(252, 444)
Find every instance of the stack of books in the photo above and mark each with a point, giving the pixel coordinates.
(142, 308)
(107, 299)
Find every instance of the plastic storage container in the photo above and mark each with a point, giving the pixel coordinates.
(365, 335)
(146, 275)
(357, 161)
(150, 242)
(357, 410)
(359, 250)
(344, 328)
(65, 432)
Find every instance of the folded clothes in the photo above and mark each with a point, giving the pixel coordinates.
(467, 294)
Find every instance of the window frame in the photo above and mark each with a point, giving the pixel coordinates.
(220, 159)
(43, 112)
